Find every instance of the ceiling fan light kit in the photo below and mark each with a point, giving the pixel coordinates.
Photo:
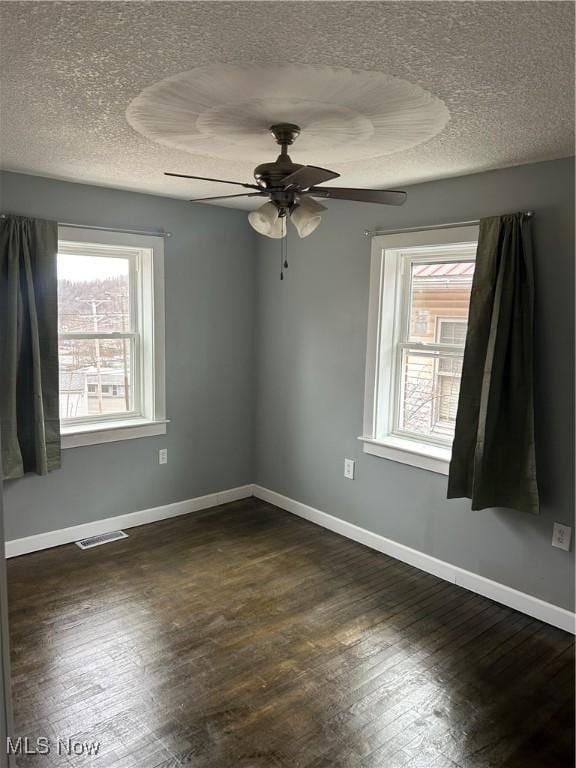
(306, 216)
(264, 219)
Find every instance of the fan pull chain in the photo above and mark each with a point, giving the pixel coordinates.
(281, 258)
(286, 239)
(283, 249)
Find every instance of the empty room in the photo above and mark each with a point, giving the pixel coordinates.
(287, 364)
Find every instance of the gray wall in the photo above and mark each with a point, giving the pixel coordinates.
(265, 379)
(311, 332)
(210, 297)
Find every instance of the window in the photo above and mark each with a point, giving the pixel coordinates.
(418, 317)
(110, 336)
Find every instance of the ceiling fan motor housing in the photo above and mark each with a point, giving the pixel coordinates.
(270, 175)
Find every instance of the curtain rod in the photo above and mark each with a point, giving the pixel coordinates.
(147, 232)
(374, 232)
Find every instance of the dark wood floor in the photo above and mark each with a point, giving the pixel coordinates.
(244, 637)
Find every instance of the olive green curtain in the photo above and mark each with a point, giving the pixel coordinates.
(28, 346)
(493, 457)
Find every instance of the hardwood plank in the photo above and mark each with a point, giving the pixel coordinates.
(244, 637)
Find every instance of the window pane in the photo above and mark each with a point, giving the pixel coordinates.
(439, 301)
(93, 294)
(429, 388)
(95, 377)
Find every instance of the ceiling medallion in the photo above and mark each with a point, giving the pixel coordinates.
(225, 111)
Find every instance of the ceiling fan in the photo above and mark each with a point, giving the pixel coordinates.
(291, 189)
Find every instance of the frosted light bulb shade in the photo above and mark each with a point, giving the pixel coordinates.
(264, 219)
(305, 220)
(278, 231)
(311, 205)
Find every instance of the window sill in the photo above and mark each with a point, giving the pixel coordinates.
(422, 455)
(111, 432)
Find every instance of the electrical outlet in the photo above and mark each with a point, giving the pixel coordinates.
(561, 536)
(349, 468)
(163, 456)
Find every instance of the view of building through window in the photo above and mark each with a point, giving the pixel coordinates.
(93, 303)
(430, 375)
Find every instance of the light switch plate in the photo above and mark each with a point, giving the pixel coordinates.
(163, 456)
(561, 536)
(349, 468)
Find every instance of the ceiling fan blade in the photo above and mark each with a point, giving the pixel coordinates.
(382, 196)
(206, 178)
(226, 197)
(308, 176)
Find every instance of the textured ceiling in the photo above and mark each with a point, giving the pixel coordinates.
(504, 70)
(227, 109)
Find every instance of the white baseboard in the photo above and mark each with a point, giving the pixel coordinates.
(500, 593)
(520, 601)
(76, 532)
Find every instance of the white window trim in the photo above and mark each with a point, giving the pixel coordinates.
(384, 298)
(152, 419)
(113, 431)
